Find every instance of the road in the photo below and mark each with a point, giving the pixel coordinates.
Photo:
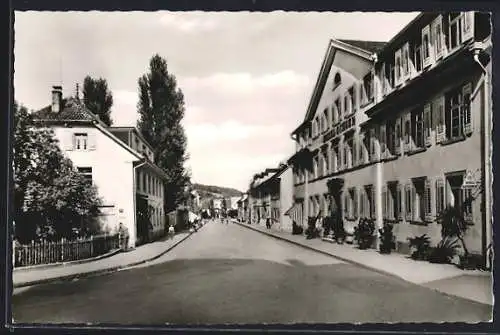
(230, 274)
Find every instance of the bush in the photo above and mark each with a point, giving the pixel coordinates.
(338, 228)
(312, 231)
(386, 239)
(420, 246)
(363, 233)
(444, 252)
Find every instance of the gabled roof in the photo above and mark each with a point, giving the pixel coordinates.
(361, 49)
(71, 110)
(371, 46)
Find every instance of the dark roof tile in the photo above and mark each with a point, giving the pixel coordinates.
(72, 110)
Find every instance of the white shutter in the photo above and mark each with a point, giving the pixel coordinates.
(382, 140)
(427, 124)
(92, 139)
(440, 119)
(397, 136)
(467, 26)
(437, 33)
(426, 46)
(466, 108)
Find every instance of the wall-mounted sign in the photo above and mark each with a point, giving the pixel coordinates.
(472, 179)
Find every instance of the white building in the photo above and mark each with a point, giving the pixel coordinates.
(118, 170)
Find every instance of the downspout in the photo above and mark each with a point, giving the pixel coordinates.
(134, 169)
(486, 166)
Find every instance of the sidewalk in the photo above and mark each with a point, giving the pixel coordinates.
(446, 278)
(139, 255)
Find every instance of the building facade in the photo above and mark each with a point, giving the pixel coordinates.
(271, 196)
(104, 159)
(243, 213)
(398, 131)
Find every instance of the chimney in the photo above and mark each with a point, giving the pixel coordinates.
(56, 98)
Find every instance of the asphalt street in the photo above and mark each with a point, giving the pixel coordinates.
(230, 274)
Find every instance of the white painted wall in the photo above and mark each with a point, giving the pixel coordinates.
(112, 173)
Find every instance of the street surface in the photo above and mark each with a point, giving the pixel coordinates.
(230, 274)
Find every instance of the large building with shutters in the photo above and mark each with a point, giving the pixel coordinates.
(397, 131)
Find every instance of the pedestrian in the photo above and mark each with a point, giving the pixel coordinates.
(171, 231)
(123, 236)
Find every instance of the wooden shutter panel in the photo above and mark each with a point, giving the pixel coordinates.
(467, 26)
(466, 107)
(427, 124)
(400, 203)
(440, 201)
(440, 119)
(408, 202)
(427, 200)
(437, 26)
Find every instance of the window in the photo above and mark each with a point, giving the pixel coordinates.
(368, 145)
(418, 57)
(326, 165)
(352, 100)
(347, 107)
(86, 173)
(370, 197)
(426, 46)
(373, 147)
(336, 80)
(138, 180)
(393, 202)
(368, 87)
(81, 141)
(408, 202)
(389, 74)
(455, 30)
(421, 200)
(315, 167)
(397, 139)
(418, 128)
(349, 149)
(391, 137)
(336, 159)
(406, 60)
(362, 204)
(383, 139)
(398, 67)
(361, 151)
(437, 33)
(338, 111)
(458, 114)
(427, 124)
(144, 183)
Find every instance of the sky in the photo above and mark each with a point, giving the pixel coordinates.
(246, 77)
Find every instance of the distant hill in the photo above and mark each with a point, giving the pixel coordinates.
(212, 191)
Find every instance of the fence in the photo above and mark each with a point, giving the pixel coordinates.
(45, 252)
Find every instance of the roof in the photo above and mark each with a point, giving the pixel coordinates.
(72, 110)
(371, 46)
(134, 129)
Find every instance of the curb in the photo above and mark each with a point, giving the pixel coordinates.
(100, 271)
(63, 264)
(355, 263)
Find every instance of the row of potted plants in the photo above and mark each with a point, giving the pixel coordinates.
(453, 228)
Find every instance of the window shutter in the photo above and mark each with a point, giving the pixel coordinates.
(440, 119)
(426, 32)
(407, 132)
(467, 26)
(439, 196)
(68, 142)
(399, 200)
(427, 200)
(437, 32)
(466, 108)
(407, 60)
(92, 140)
(382, 140)
(398, 71)
(427, 124)
(408, 202)
(397, 141)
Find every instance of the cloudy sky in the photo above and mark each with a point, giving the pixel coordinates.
(246, 77)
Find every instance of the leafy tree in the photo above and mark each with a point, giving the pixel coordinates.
(97, 98)
(50, 197)
(161, 109)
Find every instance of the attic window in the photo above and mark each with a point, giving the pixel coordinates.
(336, 80)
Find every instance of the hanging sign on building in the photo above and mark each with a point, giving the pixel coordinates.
(472, 179)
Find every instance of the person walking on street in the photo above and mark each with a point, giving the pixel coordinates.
(171, 231)
(123, 236)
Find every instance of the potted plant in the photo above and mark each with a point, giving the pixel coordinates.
(420, 246)
(444, 252)
(386, 239)
(363, 233)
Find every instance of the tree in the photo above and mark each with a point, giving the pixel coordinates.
(97, 98)
(50, 197)
(161, 109)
